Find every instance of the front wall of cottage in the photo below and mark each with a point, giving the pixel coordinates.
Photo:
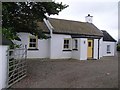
(83, 48)
(112, 48)
(96, 48)
(53, 48)
(42, 52)
(101, 48)
(76, 53)
(56, 50)
(95, 56)
(43, 46)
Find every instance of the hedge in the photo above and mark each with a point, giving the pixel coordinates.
(118, 47)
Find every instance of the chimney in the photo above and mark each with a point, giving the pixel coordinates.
(89, 18)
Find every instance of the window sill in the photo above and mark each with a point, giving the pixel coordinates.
(32, 49)
(75, 49)
(67, 50)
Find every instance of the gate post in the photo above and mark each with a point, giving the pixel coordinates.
(3, 66)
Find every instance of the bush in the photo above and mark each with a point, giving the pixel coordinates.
(118, 47)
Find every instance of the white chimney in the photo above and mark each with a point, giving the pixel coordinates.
(89, 18)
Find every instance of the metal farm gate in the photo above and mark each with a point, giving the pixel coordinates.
(16, 65)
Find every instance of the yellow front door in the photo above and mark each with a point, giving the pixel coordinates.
(90, 48)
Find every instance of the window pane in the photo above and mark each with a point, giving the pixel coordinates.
(34, 45)
(66, 46)
(34, 40)
(67, 41)
(31, 40)
(76, 46)
(108, 48)
(76, 43)
(89, 44)
(30, 45)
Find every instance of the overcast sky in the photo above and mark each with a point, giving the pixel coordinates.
(104, 12)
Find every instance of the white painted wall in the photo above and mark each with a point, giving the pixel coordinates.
(83, 48)
(56, 50)
(50, 48)
(43, 46)
(101, 48)
(53, 48)
(95, 52)
(3, 66)
(76, 54)
(42, 52)
(112, 48)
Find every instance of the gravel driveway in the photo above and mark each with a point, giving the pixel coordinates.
(101, 73)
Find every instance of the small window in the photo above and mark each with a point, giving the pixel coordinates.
(108, 49)
(33, 42)
(89, 44)
(66, 44)
(76, 44)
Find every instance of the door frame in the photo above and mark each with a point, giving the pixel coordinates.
(92, 48)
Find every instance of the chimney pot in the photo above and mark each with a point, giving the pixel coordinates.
(88, 14)
(88, 18)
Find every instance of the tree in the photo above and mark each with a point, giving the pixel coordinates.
(23, 16)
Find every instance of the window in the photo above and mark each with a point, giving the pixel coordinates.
(75, 44)
(66, 44)
(33, 42)
(89, 44)
(108, 49)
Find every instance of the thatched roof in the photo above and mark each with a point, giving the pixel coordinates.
(63, 26)
(43, 26)
(107, 36)
(74, 27)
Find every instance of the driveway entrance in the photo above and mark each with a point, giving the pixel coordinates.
(101, 73)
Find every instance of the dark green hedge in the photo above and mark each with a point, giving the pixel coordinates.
(118, 47)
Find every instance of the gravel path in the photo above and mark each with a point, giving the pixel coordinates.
(101, 73)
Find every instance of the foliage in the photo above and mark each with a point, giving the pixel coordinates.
(23, 16)
(9, 34)
(118, 47)
(14, 46)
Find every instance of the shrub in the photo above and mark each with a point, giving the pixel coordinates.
(118, 47)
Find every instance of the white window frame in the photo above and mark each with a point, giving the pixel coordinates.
(36, 43)
(69, 44)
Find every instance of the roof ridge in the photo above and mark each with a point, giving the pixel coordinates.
(71, 26)
(67, 20)
(104, 30)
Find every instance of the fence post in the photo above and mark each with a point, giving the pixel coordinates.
(25, 51)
